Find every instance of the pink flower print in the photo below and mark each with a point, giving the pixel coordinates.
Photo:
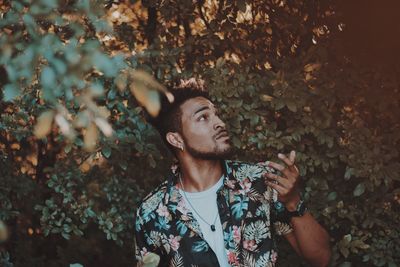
(231, 184)
(174, 242)
(246, 185)
(236, 234)
(162, 210)
(232, 258)
(274, 256)
(249, 245)
(182, 207)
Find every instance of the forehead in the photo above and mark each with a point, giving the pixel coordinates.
(189, 107)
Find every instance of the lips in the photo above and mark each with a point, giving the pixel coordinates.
(222, 134)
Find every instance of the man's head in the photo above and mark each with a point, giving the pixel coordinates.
(191, 125)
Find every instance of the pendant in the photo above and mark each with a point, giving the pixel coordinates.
(212, 227)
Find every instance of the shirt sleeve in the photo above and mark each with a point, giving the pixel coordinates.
(281, 226)
(145, 250)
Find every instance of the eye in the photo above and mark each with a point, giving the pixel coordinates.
(203, 117)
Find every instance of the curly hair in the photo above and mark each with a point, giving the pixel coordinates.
(169, 118)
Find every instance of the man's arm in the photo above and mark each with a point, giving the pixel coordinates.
(309, 239)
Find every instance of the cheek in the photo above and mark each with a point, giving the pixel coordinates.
(197, 135)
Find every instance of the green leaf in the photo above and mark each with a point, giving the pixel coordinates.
(104, 64)
(29, 21)
(59, 66)
(359, 190)
(123, 164)
(66, 235)
(10, 92)
(49, 3)
(348, 173)
(291, 105)
(111, 94)
(106, 151)
(332, 196)
(96, 89)
(48, 77)
(67, 228)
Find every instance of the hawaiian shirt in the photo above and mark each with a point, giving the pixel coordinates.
(165, 225)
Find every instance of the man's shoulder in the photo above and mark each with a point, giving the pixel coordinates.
(152, 200)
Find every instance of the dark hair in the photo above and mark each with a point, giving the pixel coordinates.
(169, 118)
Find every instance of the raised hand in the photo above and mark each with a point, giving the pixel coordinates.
(287, 184)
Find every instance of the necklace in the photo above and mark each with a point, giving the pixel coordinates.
(212, 226)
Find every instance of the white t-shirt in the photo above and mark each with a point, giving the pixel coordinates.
(205, 203)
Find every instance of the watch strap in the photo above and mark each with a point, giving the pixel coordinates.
(283, 212)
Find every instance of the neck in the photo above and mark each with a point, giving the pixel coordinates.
(199, 174)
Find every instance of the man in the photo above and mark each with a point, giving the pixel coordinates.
(215, 212)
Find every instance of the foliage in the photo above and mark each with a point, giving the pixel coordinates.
(280, 72)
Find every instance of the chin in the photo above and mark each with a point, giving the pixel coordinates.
(226, 151)
(220, 152)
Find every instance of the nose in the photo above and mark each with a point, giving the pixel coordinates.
(218, 123)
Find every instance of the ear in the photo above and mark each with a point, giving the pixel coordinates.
(174, 139)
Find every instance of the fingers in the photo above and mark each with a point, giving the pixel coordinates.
(279, 167)
(292, 156)
(281, 190)
(289, 161)
(280, 180)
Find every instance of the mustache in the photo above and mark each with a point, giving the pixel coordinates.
(221, 133)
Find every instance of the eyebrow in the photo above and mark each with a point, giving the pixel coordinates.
(200, 110)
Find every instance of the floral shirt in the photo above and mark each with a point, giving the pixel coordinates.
(166, 227)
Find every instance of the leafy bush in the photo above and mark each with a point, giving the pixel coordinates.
(76, 154)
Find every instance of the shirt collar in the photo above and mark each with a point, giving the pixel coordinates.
(230, 181)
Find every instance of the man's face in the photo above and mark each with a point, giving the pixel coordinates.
(203, 132)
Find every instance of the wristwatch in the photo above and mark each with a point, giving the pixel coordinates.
(283, 211)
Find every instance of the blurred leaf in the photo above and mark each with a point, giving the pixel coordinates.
(90, 137)
(311, 67)
(65, 126)
(104, 64)
(82, 120)
(359, 190)
(48, 77)
(3, 232)
(104, 126)
(147, 97)
(348, 173)
(291, 105)
(44, 123)
(10, 92)
(266, 98)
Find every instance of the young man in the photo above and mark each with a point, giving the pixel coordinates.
(215, 212)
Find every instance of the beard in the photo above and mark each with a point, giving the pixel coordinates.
(216, 154)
